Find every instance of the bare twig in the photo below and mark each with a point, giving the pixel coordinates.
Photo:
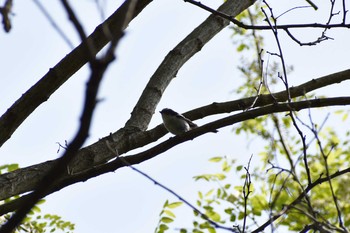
(312, 4)
(91, 51)
(285, 81)
(325, 159)
(246, 192)
(53, 23)
(260, 27)
(285, 27)
(299, 198)
(260, 60)
(345, 11)
(292, 9)
(101, 8)
(154, 181)
(284, 78)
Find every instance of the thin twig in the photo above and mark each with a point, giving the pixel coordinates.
(79, 28)
(246, 192)
(291, 9)
(284, 78)
(285, 27)
(261, 27)
(345, 11)
(299, 198)
(53, 23)
(325, 158)
(154, 181)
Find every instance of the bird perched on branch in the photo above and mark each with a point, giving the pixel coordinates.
(176, 123)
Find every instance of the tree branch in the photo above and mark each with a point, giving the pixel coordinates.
(69, 179)
(59, 74)
(24, 180)
(261, 27)
(299, 198)
(150, 97)
(98, 68)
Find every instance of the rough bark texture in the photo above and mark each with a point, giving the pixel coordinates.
(133, 134)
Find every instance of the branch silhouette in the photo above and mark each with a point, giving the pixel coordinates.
(98, 67)
(24, 179)
(162, 147)
(60, 73)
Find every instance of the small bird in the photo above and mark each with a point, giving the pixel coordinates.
(176, 123)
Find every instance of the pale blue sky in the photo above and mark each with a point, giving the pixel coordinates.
(124, 201)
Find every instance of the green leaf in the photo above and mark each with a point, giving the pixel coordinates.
(202, 177)
(197, 231)
(169, 213)
(215, 159)
(163, 227)
(238, 168)
(41, 201)
(36, 209)
(209, 193)
(174, 204)
(12, 167)
(241, 215)
(225, 167)
(214, 216)
(231, 198)
(200, 195)
(220, 176)
(166, 220)
(241, 47)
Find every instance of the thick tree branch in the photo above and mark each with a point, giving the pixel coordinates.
(59, 74)
(24, 180)
(147, 103)
(123, 139)
(190, 135)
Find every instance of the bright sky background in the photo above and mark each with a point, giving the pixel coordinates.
(125, 201)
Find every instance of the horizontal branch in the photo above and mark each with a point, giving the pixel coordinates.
(258, 27)
(190, 135)
(24, 179)
(227, 121)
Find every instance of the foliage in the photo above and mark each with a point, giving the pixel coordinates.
(272, 190)
(36, 222)
(296, 184)
(166, 216)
